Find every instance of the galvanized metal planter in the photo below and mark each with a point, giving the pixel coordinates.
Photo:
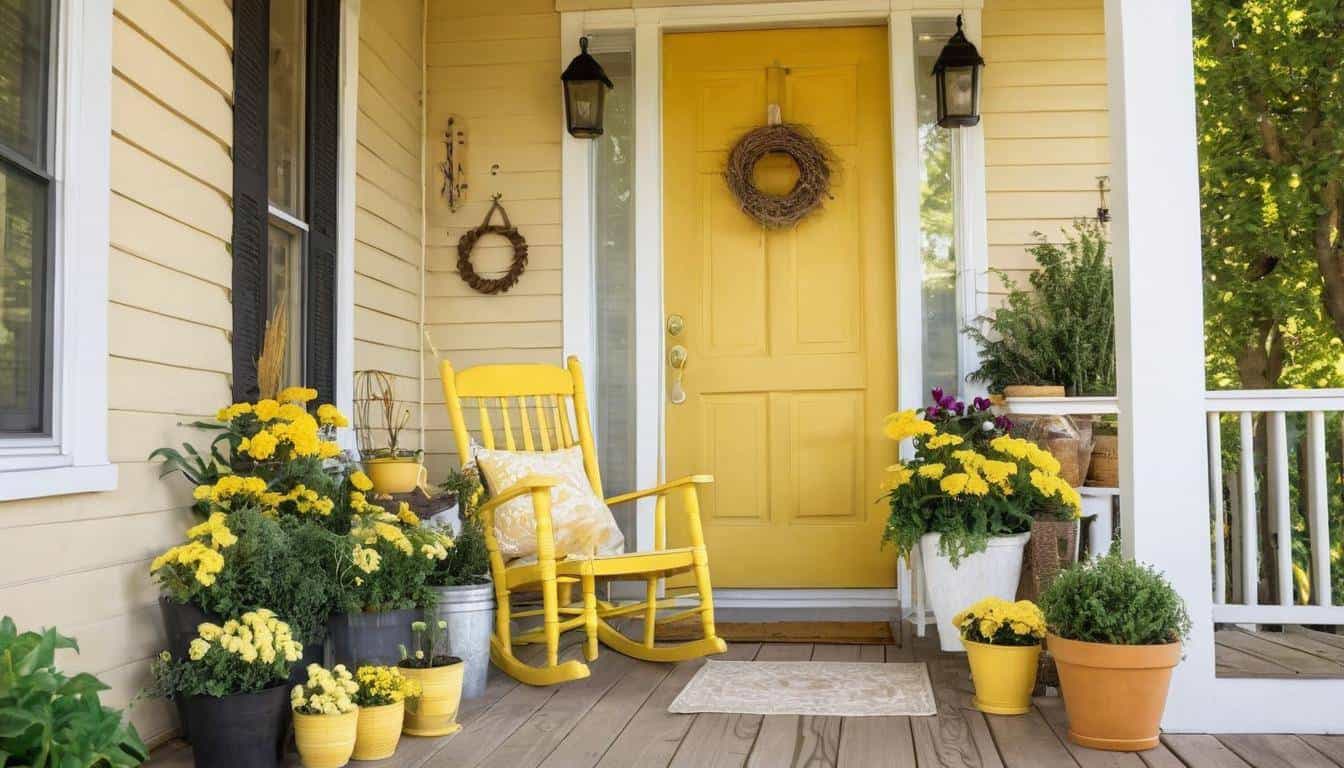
(470, 613)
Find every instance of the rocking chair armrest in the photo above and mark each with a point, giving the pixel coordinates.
(661, 490)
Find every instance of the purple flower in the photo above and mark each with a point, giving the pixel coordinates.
(959, 407)
(981, 404)
(1002, 422)
(937, 394)
(932, 412)
(947, 401)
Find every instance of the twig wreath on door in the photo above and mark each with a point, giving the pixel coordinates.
(813, 158)
(467, 244)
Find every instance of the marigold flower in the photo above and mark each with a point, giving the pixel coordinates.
(360, 481)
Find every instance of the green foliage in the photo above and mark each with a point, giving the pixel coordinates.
(429, 644)
(468, 561)
(1114, 600)
(1062, 331)
(244, 655)
(49, 720)
(400, 579)
(1270, 109)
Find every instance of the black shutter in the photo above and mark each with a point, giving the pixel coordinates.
(324, 83)
(251, 47)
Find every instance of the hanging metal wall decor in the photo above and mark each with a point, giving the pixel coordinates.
(467, 243)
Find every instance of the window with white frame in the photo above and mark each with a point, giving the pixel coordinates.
(55, 73)
(287, 226)
(27, 203)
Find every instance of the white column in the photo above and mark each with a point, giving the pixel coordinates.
(1159, 319)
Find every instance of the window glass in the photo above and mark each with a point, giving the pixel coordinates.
(24, 38)
(937, 216)
(285, 133)
(614, 285)
(25, 204)
(284, 258)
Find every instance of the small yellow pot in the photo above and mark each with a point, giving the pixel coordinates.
(379, 731)
(325, 741)
(395, 475)
(435, 712)
(1004, 676)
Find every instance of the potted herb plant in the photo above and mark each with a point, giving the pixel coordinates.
(1115, 632)
(968, 504)
(1003, 648)
(381, 574)
(49, 718)
(463, 593)
(379, 421)
(381, 697)
(234, 682)
(434, 713)
(325, 716)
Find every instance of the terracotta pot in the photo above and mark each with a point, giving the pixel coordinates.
(325, 741)
(395, 474)
(1033, 390)
(378, 731)
(434, 713)
(1004, 676)
(1114, 694)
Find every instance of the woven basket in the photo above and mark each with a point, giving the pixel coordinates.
(1105, 468)
(1053, 547)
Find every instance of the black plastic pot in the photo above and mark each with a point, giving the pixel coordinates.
(246, 730)
(179, 623)
(371, 638)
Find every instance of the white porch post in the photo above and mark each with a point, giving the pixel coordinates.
(1159, 319)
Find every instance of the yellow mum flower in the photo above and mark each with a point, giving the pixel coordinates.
(197, 650)
(366, 560)
(331, 416)
(361, 482)
(262, 446)
(955, 483)
(905, 424)
(998, 471)
(932, 471)
(405, 515)
(975, 484)
(1041, 459)
(297, 395)
(944, 440)
(329, 449)
(1015, 447)
(968, 458)
(897, 476)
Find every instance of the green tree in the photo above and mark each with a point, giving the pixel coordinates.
(1271, 138)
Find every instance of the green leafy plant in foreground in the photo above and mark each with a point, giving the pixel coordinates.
(1114, 600)
(49, 720)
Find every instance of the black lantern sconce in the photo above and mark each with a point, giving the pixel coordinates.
(958, 74)
(586, 87)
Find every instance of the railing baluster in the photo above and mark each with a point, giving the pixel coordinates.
(1278, 487)
(1318, 508)
(1216, 494)
(1250, 539)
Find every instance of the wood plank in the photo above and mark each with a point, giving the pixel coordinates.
(1328, 638)
(1028, 741)
(876, 741)
(794, 739)
(653, 735)
(1330, 746)
(1201, 751)
(949, 738)
(1275, 751)
(715, 740)
(593, 735)
(1232, 662)
(1052, 709)
(1322, 644)
(1295, 659)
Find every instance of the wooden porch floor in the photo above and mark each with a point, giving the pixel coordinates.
(1293, 653)
(618, 717)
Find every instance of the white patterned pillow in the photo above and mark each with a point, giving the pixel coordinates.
(583, 524)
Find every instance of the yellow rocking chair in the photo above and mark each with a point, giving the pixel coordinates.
(541, 397)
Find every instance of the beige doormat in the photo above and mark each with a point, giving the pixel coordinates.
(838, 632)
(838, 688)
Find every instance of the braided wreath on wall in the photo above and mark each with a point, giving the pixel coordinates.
(467, 243)
(813, 158)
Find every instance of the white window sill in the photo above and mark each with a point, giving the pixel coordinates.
(57, 481)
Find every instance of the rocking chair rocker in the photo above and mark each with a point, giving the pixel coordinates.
(552, 391)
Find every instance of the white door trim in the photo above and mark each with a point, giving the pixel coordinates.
(649, 25)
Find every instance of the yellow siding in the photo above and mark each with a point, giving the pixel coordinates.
(496, 66)
(80, 562)
(388, 247)
(1045, 121)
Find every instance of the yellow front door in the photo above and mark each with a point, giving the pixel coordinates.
(790, 335)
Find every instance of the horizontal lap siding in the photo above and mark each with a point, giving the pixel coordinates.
(80, 562)
(1045, 122)
(388, 247)
(496, 67)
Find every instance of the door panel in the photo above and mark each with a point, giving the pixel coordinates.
(790, 334)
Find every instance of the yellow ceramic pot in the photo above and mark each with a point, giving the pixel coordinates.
(325, 741)
(435, 712)
(1004, 676)
(379, 731)
(395, 475)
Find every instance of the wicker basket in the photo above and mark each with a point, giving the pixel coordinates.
(1104, 471)
(1053, 547)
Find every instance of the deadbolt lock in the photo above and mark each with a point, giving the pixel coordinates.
(675, 324)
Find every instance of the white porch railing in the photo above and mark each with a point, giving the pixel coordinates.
(1236, 523)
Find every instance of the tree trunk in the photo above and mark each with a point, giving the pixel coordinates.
(1260, 366)
(1330, 253)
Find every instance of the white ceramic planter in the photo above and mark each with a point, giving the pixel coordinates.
(992, 573)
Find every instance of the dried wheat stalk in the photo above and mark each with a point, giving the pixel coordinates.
(271, 361)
